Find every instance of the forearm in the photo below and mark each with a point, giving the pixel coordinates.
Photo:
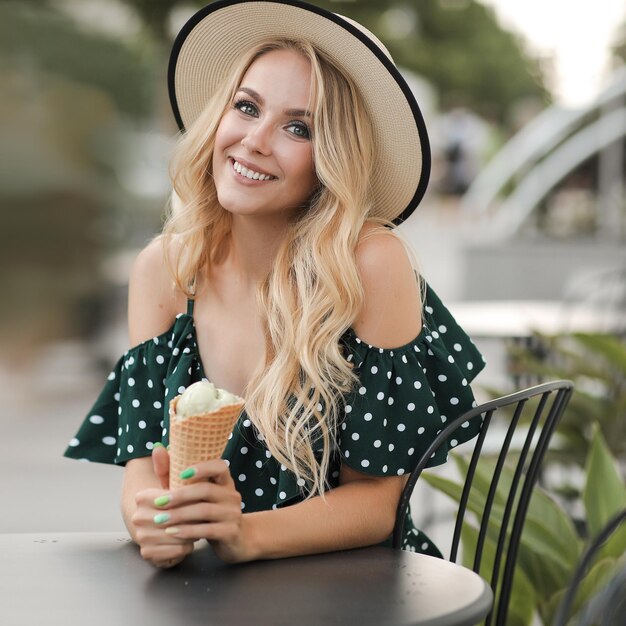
(356, 514)
(360, 512)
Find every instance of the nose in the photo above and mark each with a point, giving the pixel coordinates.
(258, 139)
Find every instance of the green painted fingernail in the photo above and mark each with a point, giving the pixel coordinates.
(161, 518)
(162, 500)
(188, 473)
(158, 444)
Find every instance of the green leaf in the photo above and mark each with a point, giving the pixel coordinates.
(595, 579)
(547, 575)
(550, 527)
(593, 582)
(609, 347)
(548, 531)
(546, 514)
(538, 550)
(549, 547)
(523, 594)
(449, 487)
(615, 545)
(549, 606)
(604, 493)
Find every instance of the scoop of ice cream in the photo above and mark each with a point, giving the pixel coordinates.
(203, 397)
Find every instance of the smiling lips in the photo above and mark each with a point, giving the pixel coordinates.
(250, 174)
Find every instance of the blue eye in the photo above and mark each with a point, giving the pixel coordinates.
(246, 107)
(300, 129)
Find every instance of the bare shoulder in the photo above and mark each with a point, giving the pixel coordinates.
(391, 315)
(153, 299)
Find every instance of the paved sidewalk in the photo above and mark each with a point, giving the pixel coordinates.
(41, 490)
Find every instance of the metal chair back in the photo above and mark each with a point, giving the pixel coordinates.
(611, 599)
(551, 400)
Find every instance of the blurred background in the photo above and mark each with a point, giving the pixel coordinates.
(522, 229)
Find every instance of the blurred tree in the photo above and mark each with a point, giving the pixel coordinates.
(65, 92)
(70, 91)
(155, 14)
(619, 46)
(459, 46)
(39, 35)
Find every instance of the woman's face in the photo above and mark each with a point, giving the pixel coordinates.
(263, 157)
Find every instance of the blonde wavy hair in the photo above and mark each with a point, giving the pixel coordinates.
(313, 292)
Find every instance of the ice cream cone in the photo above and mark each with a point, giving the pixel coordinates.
(198, 437)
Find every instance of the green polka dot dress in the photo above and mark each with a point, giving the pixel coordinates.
(403, 399)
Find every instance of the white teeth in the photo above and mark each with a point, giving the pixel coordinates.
(244, 171)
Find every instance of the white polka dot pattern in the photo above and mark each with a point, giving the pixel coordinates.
(422, 385)
(388, 421)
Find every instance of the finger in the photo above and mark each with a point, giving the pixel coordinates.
(149, 530)
(201, 512)
(157, 538)
(166, 556)
(161, 465)
(146, 497)
(215, 470)
(217, 531)
(199, 492)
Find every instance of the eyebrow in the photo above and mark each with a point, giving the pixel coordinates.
(290, 112)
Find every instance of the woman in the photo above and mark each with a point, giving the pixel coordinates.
(300, 150)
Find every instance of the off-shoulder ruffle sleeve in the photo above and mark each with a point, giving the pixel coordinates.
(131, 412)
(406, 395)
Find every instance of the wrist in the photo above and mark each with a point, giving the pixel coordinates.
(251, 548)
(241, 550)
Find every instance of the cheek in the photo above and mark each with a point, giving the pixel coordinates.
(223, 140)
(310, 173)
(219, 141)
(225, 134)
(301, 163)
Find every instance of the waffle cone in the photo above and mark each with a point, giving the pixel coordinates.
(198, 438)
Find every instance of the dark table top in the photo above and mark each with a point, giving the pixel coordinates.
(99, 579)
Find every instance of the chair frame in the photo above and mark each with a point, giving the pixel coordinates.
(583, 565)
(553, 398)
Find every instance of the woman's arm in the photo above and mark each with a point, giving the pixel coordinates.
(153, 300)
(153, 303)
(360, 512)
(391, 314)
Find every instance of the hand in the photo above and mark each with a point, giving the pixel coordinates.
(156, 546)
(208, 509)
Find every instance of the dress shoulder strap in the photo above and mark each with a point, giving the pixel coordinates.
(190, 303)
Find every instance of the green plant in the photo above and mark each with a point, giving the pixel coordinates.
(597, 365)
(550, 546)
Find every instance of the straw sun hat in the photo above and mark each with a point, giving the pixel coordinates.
(213, 39)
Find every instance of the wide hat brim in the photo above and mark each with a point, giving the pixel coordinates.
(208, 46)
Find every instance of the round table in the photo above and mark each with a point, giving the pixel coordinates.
(100, 579)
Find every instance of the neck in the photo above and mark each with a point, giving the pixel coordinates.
(253, 246)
